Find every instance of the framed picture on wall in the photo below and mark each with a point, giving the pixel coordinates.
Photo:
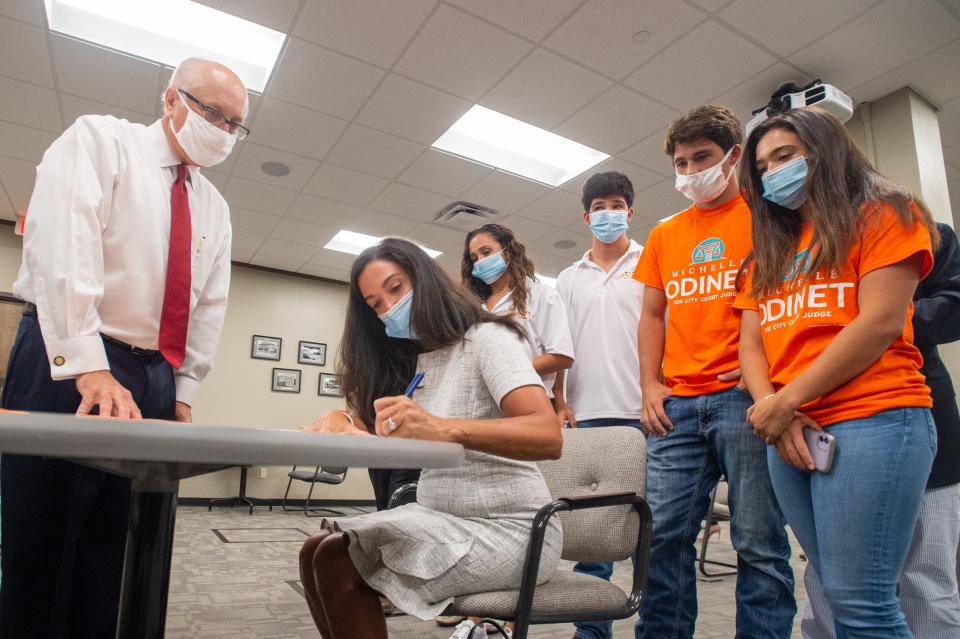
(286, 380)
(264, 347)
(329, 385)
(312, 353)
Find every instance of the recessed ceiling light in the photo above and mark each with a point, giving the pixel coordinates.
(564, 244)
(514, 146)
(356, 243)
(640, 37)
(171, 31)
(275, 169)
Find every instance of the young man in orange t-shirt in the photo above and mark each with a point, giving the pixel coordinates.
(696, 418)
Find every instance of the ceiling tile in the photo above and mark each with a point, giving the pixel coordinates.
(953, 173)
(443, 173)
(952, 154)
(253, 156)
(19, 196)
(260, 197)
(315, 270)
(254, 222)
(689, 71)
(247, 242)
(303, 232)
(407, 201)
(580, 227)
(75, 106)
(17, 173)
(808, 20)
(216, 178)
(323, 80)
(411, 110)
(439, 238)
(276, 14)
(240, 256)
(712, 5)
(372, 30)
(295, 251)
(756, 91)
(278, 263)
(460, 53)
(24, 10)
(333, 259)
(505, 193)
(562, 87)
(935, 76)
(25, 55)
(601, 33)
(640, 177)
(296, 129)
(616, 120)
(525, 229)
(558, 208)
(374, 152)
(658, 201)
(531, 19)
(6, 213)
(24, 143)
(547, 243)
(949, 117)
(29, 104)
(907, 29)
(380, 224)
(345, 184)
(119, 79)
(322, 211)
(649, 154)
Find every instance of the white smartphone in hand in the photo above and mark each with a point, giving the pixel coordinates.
(822, 446)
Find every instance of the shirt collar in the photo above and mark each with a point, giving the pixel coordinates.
(166, 156)
(633, 247)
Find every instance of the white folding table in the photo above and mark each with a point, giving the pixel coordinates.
(156, 455)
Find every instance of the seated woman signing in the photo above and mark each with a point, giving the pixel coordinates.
(468, 531)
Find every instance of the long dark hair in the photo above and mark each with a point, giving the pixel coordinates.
(843, 189)
(518, 264)
(373, 365)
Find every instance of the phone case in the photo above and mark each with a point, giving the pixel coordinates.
(822, 446)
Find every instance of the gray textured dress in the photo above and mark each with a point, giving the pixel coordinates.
(469, 530)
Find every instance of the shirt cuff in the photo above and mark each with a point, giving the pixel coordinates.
(186, 388)
(69, 358)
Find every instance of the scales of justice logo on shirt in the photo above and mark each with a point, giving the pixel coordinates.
(708, 250)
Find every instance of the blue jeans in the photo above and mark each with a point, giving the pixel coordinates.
(604, 569)
(710, 438)
(855, 523)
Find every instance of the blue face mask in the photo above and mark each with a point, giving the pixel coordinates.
(397, 319)
(786, 185)
(490, 268)
(608, 226)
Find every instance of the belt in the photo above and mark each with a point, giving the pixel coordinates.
(30, 309)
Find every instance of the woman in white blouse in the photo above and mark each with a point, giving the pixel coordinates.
(495, 267)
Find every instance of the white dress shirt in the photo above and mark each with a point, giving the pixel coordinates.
(95, 248)
(545, 324)
(604, 310)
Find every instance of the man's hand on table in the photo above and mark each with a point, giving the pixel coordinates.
(184, 413)
(101, 388)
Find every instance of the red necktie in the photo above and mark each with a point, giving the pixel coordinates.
(176, 293)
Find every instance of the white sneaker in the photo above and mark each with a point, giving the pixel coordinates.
(463, 631)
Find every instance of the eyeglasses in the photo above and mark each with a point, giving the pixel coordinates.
(217, 119)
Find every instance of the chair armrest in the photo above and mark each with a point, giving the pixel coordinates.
(538, 531)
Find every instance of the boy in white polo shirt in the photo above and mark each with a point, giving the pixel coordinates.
(603, 307)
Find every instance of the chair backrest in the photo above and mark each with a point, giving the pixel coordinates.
(599, 461)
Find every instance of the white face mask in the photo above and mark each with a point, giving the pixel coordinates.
(707, 185)
(205, 144)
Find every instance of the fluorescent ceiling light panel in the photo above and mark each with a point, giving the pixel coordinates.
(171, 31)
(355, 243)
(514, 146)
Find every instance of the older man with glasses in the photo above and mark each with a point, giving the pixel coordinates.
(126, 267)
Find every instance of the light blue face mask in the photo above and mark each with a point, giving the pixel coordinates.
(490, 268)
(786, 185)
(607, 225)
(397, 319)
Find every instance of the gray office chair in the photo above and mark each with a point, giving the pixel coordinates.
(598, 487)
(319, 474)
(719, 511)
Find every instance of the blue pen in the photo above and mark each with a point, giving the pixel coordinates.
(414, 383)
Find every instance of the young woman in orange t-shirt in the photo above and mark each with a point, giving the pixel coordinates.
(826, 341)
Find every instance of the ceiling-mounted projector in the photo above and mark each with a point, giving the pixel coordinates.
(790, 96)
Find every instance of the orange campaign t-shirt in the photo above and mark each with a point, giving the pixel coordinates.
(800, 320)
(694, 258)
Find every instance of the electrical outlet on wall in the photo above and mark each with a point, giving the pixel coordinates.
(263, 472)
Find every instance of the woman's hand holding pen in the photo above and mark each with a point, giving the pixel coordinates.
(400, 416)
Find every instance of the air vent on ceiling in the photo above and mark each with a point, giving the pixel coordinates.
(464, 215)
